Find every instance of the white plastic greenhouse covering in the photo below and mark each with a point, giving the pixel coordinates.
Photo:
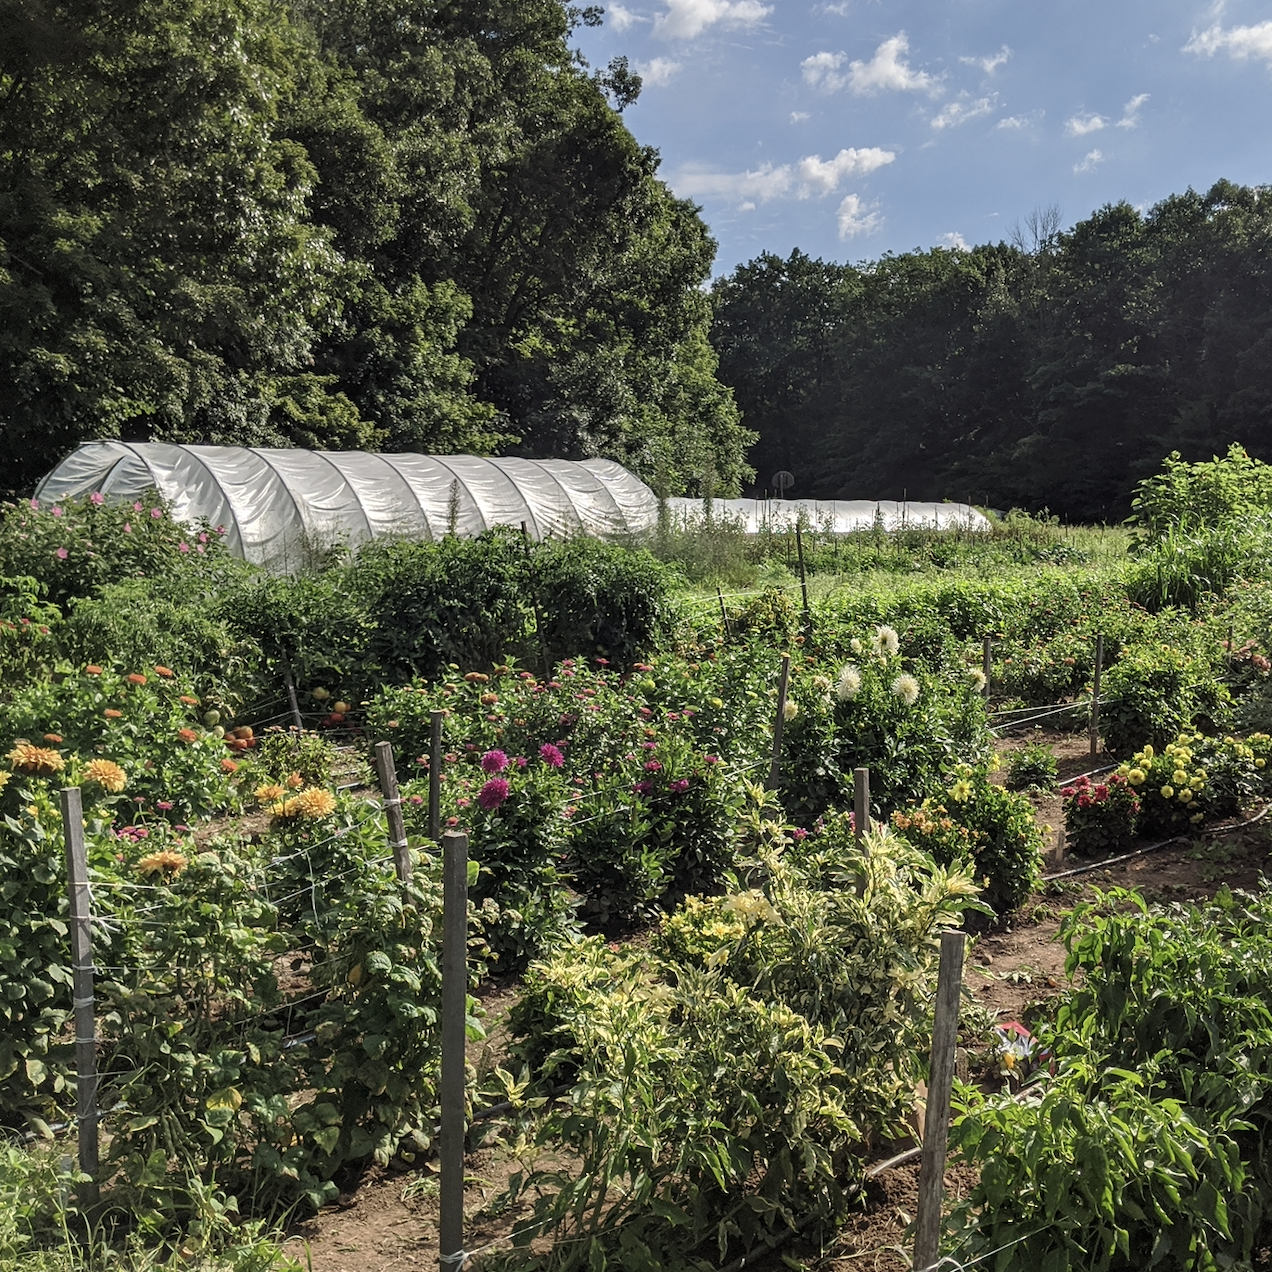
(834, 516)
(279, 505)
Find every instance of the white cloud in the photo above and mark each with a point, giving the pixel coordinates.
(959, 112)
(814, 172)
(799, 116)
(658, 71)
(887, 70)
(811, 177)
(988, 64)
(1089, 161)
(1081, 125)
(955, 242)
(1239, 42)
(855, 217)
(620, 17)
(840, 10)
(686, 19)
(1016, 122)
(1130, 112)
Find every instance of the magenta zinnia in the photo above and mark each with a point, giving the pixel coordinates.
(551, 755)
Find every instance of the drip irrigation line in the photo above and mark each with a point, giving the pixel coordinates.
(1088, 867)
(1108, 768)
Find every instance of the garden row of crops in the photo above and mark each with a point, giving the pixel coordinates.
(268, 988)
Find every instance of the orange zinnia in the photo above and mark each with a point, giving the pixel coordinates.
(136, 678)
(111, 714)
(93, 670)
(189, 701)
(187, 735)
(52, 737)
(160, 862)
(162, 671)
(228, 766)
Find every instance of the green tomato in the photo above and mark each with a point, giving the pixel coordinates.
(212, 718)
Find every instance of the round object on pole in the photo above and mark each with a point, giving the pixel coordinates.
(782, 482)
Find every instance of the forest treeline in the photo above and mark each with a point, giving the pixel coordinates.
(1051, 372)
(399, 224)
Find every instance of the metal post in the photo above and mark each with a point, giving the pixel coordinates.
(393, 809)
(454, 1012)
(779, 722)
(82, 989)
(987, 662)
(1095, 696)
(724, 615)
(435, 777)
(927, 1237)
(803, 578)
(861, 805)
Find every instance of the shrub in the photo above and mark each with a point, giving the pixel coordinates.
(595, 598)
(28, 632)
(1162, 1111)
(1100, 816)
(726, 1077)
(1196, 779)
(1156, 690)
(997, 827)
(75, 547)
(1032, 768)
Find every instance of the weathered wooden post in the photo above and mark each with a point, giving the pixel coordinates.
(861, 805)
(927, 1237)
(987, 662)
(1095, 696)
(779, 722)
(393, 810)
(87, 1116)
(454, 1014)
(803, 577)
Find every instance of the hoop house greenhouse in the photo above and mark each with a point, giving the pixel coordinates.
(278, 505)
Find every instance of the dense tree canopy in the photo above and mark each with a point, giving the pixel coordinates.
(1052, 372)
(344, 223)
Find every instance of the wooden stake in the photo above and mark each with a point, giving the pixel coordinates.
(724, 615)
(454, 1013)
(803, 578)
(297, 722)
(87, 1116)
(435, 777)
(987, 662)
(1095, 696)
(861, 805)
(780, 722)
(927, 1238)
(393, 809)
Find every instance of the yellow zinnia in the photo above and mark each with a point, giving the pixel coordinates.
(1168, 792)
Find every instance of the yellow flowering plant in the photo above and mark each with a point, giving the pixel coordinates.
(1196, 779)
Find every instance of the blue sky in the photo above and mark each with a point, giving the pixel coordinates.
(856, 128)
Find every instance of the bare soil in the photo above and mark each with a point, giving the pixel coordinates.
(388, 1220)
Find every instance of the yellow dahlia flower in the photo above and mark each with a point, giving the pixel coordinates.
(106, 774)
(36, 761)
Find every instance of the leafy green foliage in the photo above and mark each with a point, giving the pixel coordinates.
(722, 1080)
(1155, 691)
(1032, 768)
(1163, 1114)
